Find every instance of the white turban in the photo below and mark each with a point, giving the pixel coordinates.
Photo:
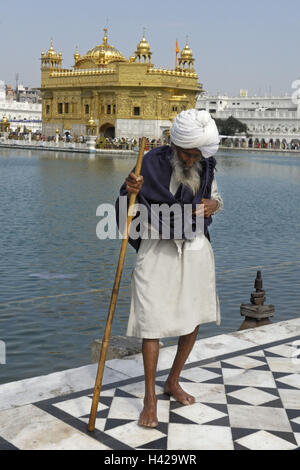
(196, 129)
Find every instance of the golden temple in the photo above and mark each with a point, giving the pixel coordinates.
(125, 97)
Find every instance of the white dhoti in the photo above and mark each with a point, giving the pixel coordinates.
(173, 286)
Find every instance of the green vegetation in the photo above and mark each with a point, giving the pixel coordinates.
(231, 126)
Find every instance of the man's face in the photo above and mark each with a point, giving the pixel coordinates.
(188, 156)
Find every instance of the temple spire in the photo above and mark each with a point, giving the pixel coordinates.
(105, 39)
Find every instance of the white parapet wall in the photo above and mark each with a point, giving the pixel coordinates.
(49, 129)
(136, 128)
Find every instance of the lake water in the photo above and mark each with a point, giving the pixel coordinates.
(56, 275)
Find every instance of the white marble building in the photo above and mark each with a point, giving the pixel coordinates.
(20, 114)
(273, 121)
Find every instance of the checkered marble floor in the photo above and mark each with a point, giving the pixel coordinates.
(249, 399)
(245, 400)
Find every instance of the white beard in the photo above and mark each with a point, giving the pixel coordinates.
(187, 176)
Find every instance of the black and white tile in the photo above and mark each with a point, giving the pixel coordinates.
(245, 400)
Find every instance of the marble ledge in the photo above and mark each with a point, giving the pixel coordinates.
(36, 389)
(211, 347)
(270, 333)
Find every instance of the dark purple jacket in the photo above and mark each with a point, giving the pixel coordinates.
(157, 171)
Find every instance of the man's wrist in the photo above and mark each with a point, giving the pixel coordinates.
(218, 205)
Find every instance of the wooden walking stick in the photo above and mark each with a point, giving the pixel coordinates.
(115, 292)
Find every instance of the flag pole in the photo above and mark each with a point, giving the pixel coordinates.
(177, 52)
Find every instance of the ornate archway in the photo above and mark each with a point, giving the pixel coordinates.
(107, 130)
(277, 144)
(295, 144)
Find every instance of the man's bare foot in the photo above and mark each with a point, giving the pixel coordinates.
(148, 417)
(174, 390)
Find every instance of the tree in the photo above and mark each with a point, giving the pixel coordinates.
(231, 126)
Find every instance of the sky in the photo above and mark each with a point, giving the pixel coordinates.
(237, 44)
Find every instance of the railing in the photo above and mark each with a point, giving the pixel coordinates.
(130, 146)
(20, 106)
(40, 143)
(179, 73)
(256, 114)
(73, 73)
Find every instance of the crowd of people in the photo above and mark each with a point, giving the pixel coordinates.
(123, 143)
(120, 143)
(277, 145)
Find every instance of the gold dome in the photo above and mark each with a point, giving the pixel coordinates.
(91, 122)
(51, 53)
(187, 53)
(4, 120)
(143, 53)
(103, 54)
(143, 46)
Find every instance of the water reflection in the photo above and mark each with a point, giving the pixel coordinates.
(56, 276)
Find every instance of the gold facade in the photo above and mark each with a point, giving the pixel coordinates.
(111, 89)
(4, 125)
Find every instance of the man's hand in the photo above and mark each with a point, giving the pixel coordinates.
(134, 183)
(206, 208)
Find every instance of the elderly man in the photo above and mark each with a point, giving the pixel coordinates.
(173, 283)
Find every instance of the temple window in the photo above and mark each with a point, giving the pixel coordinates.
(136, 111)
(66, 108)
(87, 109)
(174, 109)
(114, 109)
(48, 109)
(60, 108)
(108, 109)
